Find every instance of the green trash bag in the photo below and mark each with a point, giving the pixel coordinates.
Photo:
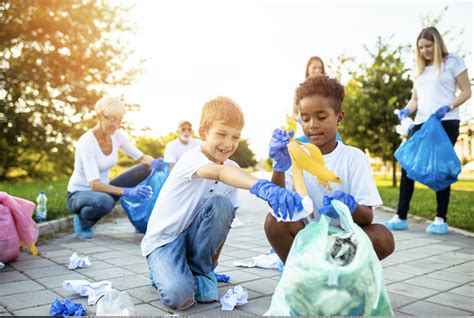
(331, 272)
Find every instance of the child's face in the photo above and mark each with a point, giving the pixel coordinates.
(319, 121)
(219, 141)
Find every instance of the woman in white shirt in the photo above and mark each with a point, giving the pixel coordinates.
(90, 194)
(439, 74)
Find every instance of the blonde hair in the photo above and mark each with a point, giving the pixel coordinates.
(222, 109)
(439, 49)
(110, 106)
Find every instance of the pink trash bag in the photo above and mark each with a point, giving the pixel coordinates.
(17, 227)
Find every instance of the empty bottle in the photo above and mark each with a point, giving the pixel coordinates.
(41, 211)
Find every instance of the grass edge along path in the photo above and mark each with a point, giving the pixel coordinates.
(460, 214)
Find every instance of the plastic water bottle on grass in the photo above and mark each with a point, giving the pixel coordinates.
(41, 211)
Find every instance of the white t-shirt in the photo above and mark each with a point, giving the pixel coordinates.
(90, 163)
(175, 149)
(352, 167)
(181, 197)
(435, 89)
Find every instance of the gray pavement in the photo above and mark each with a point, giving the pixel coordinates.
(427, 275)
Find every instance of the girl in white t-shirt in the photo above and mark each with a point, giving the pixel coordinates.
(438, 76)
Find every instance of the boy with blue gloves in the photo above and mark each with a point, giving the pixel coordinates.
(194, 211)
(319, 99)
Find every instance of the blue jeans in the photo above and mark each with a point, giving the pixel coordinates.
(174, 265)
(90, 206)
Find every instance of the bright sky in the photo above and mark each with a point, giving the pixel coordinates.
(256, 51)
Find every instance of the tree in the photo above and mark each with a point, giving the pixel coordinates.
(372, 95)
(243, 155)
(56, 60)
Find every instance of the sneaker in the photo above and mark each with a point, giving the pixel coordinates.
(437, 227)
(80, 233)
(396, 224)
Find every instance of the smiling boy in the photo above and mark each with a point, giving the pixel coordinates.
(319, 100)
(194, 211)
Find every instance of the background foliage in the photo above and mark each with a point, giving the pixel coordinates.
(56, 59)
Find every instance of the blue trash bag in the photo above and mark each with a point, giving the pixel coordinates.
(428, 156)
(139, 210)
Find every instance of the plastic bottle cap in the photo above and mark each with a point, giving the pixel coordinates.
(41, 192)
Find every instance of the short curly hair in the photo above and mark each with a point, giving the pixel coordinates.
(323, 86)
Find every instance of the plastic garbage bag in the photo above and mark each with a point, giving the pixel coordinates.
(319, 281)
(9, 240)
(139, 210)
(115, 303)
(429, 157)
(22, 213)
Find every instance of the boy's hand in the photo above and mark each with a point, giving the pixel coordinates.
(159, 164)
(442, 111)
(279, 149)
(345, 198)
(282, 201)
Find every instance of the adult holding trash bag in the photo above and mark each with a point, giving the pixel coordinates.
(438, 75)
(90, 195)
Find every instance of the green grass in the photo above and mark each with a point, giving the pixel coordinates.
(55, 192)
(423, 203)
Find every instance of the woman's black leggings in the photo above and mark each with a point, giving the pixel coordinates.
(407, 185)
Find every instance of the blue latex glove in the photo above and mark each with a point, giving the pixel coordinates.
(345, 198)
(279, 149)
(67, 309)
(403, 113)
(442, 111)
(159, 164)
(283, 201)
(140, 192)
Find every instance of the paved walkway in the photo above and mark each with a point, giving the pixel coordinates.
(427, 275)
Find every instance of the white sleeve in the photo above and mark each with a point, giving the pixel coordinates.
(458, 66)
(128, 147)
(170, 155)
(190, 162)
(89, 161)
(361, 182)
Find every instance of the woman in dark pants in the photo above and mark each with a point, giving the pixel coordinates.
(90, 194)
(439, 75)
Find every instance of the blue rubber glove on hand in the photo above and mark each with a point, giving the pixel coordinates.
(139, 192)
(442, 111)
(345, 198)
(403, 113)
(279, 149)
(283, 201)
(159, 164)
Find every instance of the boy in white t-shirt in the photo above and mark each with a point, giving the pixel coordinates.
(319, 99)
(195, 208)
(185, 141)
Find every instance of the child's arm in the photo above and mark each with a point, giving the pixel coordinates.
(278, 178)
(227, 174)
(283, 201)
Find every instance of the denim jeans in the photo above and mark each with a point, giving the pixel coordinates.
(90, 206)
(174, 265)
